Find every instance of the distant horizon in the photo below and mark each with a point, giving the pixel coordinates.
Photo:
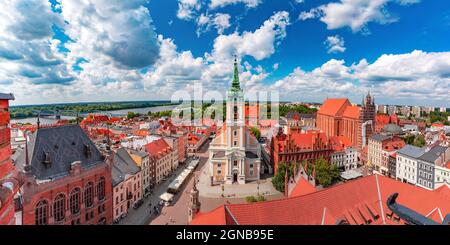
(169, 101)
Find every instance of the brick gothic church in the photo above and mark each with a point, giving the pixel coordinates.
(338, 117)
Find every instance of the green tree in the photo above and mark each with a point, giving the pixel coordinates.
(260, 198)
(250, 199)
(326, 174)
(132, 114)
(419, 141)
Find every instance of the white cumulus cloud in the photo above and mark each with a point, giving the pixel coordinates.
(335, 44)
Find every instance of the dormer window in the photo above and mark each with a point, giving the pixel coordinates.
(47, 159)
(87, 151)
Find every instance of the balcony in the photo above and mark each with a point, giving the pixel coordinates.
(4, 117)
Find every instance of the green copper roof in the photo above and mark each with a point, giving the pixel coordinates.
(235, 86)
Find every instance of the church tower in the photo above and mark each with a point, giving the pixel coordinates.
(235, 124)
(367, 120)
(194, 203)
(234, 154)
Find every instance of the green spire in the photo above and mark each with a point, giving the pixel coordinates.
(235, 86)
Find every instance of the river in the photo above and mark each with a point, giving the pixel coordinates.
(117, 113)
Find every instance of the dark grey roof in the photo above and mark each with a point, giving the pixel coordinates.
(379, 137)
(63, 146)
(6, 96)
(411, 151)
(250, 154)
(123, 165)
(310, 116)
(433, 154)
(392, 128)
(139, 153)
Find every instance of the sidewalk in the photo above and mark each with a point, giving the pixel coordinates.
(141, 216)
(264, 187)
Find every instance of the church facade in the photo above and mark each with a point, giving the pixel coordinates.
(234, 154)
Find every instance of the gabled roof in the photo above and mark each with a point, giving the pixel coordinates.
(123, 166)
(411, 151)
(157, 147)
(379, 137)
(357, 201)
(6, 96)
(303, 187)
(332, 107)
(433, 154)
(351, 112)
(63, 146)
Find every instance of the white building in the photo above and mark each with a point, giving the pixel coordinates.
(234, 153)
(406, 165)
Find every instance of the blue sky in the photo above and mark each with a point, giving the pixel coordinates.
(98, 50)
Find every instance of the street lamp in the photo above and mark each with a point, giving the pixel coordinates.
(223, 190)
(257, 187)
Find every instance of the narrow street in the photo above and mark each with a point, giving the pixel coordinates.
(173, 214)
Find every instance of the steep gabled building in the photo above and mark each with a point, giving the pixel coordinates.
(66, 179)
(338, 117)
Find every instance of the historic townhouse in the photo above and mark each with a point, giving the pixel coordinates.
(407, 159)
(380, 148)
(163, 157)
(147, 167)
(299, 147)
(437, 156)
(126, 182)
(66, 179)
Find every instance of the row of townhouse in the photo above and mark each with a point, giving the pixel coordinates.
(381, 149)
(424, 167)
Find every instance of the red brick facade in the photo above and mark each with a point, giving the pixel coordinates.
(297, 147)
(8, 184)
(100, 211)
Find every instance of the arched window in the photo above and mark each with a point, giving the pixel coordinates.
(41, 213)
(89, 195)
(59, 207)
(101, 189)
(75, 201)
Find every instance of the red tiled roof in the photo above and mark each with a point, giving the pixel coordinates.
(355, 201)
(157, 147)
(437, 125)
(303, 187)
(394, 144)
(351, 112)
(214, 217)
(339, 143)
(331, 107)
(383, 119)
